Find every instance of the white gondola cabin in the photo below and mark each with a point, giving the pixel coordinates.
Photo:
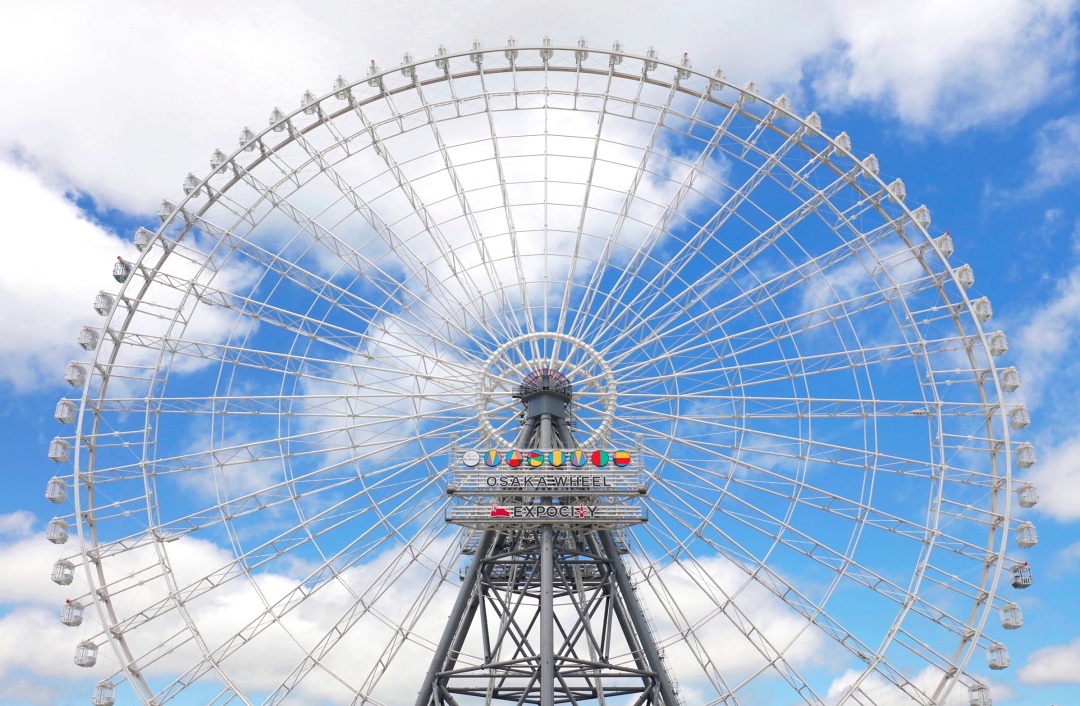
(166, 209)
(997, 343)
(122, 270)
(341, 88)
(981, 309)
(309, 103)
(1025, 454)
(511, 52)
(965, 276)
(56, 490)
(997, 656)
(86, 654)
(1028, 495)
(1026, 537)
(1019, 417)
(72, 613)
(650, 60)
(717, 84)
(1011, 616)
(63, 572)
(1021, 576)
(75, 374)
(144, 237)
(582, 52)
(247, 139)
(979, 695)
(88, 338)
(104, 694)
(59, 450)
(191, 186)
(1010, 379)
(944, 244)
(219, 161)
(921, 214)
(407, 64)
(374, 79)
(57, 531)
(103, 303)
(277, 120)
(65, 412)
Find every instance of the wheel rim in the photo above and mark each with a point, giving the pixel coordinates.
(755, 310)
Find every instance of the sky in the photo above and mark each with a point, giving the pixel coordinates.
(109, 105)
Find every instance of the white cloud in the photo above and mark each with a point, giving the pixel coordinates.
(1056, 664)
(55, 261)
(125, 98)
(1056, 476)
(951, 65)
(1057, 153)
(16, 524)
(1044, 345)
(882, 693)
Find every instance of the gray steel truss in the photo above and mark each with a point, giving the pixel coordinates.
(547, 615)
(601, 647)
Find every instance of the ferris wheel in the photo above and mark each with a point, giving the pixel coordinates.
(260, 498)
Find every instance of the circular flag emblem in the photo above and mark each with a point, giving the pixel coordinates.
(470, 458)
(492, 458)
(621, 458)
(536, 458)
(513, 458)
(599, 458)
(577, 458)
(557, 458)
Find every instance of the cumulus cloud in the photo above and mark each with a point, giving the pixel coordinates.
(1057, 153)
(127, 98)
(1044, 344)
(16, 524)
(1056, 664)
(951, 65)
(55, 261)
(882, 693)
(29, 615)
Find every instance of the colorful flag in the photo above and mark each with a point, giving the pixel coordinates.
(577, 458)
(513, 458)
(497, 511)
(536, 458)
(492, 458)
(557, 458)
(599, 458)
(621, 458)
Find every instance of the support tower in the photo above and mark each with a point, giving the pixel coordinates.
(546, 613)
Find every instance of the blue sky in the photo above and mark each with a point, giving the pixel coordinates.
(974, 105)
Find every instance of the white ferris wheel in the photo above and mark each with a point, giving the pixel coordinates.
(254, 495)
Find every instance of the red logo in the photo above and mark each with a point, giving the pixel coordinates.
(581, 511)
(497, 511)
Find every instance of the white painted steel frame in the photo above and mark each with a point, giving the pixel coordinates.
(728, 471)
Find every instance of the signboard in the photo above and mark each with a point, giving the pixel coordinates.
(548, 482)
(497, 487)
(613, 516)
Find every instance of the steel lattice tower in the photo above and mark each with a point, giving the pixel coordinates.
(550, 604)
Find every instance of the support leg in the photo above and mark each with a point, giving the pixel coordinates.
(637, 617)
(547, 616)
